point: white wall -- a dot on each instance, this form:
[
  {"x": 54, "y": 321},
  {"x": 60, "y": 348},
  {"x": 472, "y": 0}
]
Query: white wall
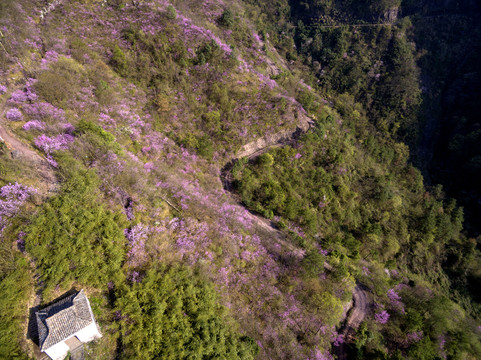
[
  {"x": 60, "y": 350},
  {"x": 88, "y": 333},
  {"x": 57, "y": 351}
]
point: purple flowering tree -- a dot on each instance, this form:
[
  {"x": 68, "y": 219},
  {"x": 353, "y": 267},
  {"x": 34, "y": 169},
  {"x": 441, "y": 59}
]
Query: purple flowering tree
[
  {"x": 137, "y": 236},
  {"x": 34, "y": 125},
  {"x": 336, "y": 338},
  {"x": 14, "y": 115},
  {"x": 382, "y": 317},
  {"x": 415, "y": 336},
  {"x": 18, "y": 97},
  {"x": 44, "y": 110},
  {"x": 50, "y": 144},
  {"x": 395, "y": 300},
  {"x": 320, "y": 355}
]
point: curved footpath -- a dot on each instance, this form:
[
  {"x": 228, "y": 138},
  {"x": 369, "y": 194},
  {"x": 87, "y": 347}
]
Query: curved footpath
[
  {"x": 357, "y": 314},
  {"x": 360, "y": 306},
  {"x": 21, "y": 151}
]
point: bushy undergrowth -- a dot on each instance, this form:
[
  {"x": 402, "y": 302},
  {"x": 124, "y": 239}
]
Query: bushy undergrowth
[
  {"x": 171, "y": 313},
  {"x": 75, "y": 238},
  {"x": 16, "y": 289}
]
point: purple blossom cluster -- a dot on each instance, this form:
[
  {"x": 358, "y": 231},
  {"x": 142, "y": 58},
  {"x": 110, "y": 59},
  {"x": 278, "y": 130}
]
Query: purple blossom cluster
[
  {"x": 395, "y": 300},
  {"x": 212, "y": 9},
  {"x": 123, "y": 115},
  {"x": 366, "y": 271},
  {"x": 14, "y": 114},
  {"x": 129, "y": 210},
  {"x": 267, "y": 81},
  {"x": 12, "y": 197},
  {"x": 192, "y": 239},
  {"x": 257, "y": 39},
  {"x": 43, "y": 111},
  {"x": 35, "y": 44},
  {"x": 30, "y": 93},
  {"x": 415, "y": 336},
  {"x": 320, "y": 355},
  {"x": 336, "y": 338},
  {"x": 137, "y": 235},
  {"x": 51, "y": 56},
  {"x": 18, "y": 97},
  {"x": 442, "y": 343},
  {"x": 34, "y": 125},
  {"x": 21, "y": 241},
  {"x": 135, "y": 277},
  {"x": 3, "y": 89},
  {"x": 192, "y": 32},
  {"x": 382, "y": 317},
  {"x": 322, "y": 251},
  {"x": 49, "y": 144},
  {"x": 296, "y": 230},
  {"x": 67, "y": 128}
]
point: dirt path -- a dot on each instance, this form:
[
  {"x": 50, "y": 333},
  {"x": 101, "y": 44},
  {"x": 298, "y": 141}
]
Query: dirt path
[
  {"x": 357, "y": 314},
  {"x": 360, "y": 304},
  {"x": 23, "y": 152}
]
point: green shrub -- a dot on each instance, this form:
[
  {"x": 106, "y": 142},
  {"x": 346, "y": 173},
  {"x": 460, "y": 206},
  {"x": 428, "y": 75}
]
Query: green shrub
[
  {"x": 313, "y": 263},
  {"x": 265, "y": 160},
  {"x": 227, "y": 19},
  {"x": 171, "y": 13},
  {"x": 119, "y": 61},
  {"x": 173, "y": 314},
  {"x": 74, "y": 237},
  {"x": 61, "y": 82},
  {"x": 212, "y": 123},
  {"x": 94, "y": 142},
  {"x": 205, "y": 147},
  {"x": 16, "y": 288},
  {"x": 84, "y": 127}
]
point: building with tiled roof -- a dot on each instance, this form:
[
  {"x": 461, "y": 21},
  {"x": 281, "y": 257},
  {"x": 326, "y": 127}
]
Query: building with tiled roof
[{"x": 66, "y": 323}]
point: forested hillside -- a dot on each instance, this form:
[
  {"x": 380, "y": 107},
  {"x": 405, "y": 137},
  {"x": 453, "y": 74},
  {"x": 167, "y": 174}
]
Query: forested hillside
[{"x": 243, "y": 179}]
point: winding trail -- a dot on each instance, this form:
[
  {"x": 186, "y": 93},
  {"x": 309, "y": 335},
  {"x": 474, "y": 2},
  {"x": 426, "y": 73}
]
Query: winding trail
[
  {"x": 360, "y": 304},
  {"x": 357, "y": 314},
  {"x": 23, "y": 152}
]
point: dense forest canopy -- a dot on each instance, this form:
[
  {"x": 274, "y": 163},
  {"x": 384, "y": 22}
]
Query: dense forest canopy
[{"x": 244, "y": 179}]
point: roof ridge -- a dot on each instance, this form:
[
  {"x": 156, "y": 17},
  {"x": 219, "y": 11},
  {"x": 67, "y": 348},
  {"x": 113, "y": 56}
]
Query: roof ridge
[{"x": 70, "y": 308}]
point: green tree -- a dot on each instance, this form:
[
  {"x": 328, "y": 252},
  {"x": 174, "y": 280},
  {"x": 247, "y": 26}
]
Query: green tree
[
  {"x": 227, "y": 19},
  {"x": 119, "y": 61}
]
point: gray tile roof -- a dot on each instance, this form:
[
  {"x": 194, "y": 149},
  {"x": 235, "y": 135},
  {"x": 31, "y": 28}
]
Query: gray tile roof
[{"x": 62, "y": 319}]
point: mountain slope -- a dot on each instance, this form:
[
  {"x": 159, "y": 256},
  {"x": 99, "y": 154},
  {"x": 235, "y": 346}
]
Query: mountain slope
[{"x": 138, "y": 107}]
